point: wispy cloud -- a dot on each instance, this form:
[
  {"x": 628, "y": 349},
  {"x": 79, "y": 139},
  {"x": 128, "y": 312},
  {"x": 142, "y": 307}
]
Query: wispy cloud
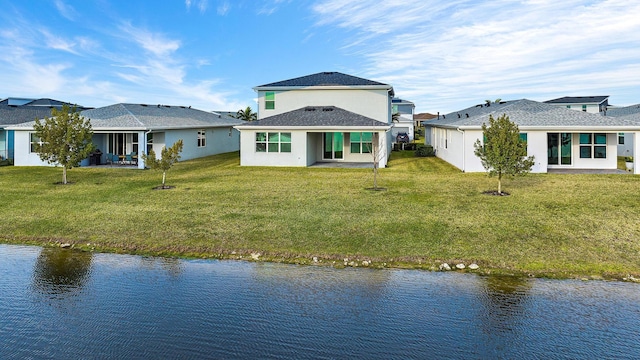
[
  {"x": 202, "y": 5},
  {"x": 130, "y": 63},
  {"x": 269, "y": 7},
  {"x": 66, "y": 10},
  {"x": 224, "y": 8},
  {"x": 156, "y": 43},
  {"x": 443, "y": 54}
]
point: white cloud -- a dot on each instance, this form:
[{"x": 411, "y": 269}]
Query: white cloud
[
  {"x": 66, "y": 10},
  {"x": 224, "y": 8},
  {"x": 202, "y": 5},
  {"x": 448, "y": 55},
  {"x": 155, "y": 43}
]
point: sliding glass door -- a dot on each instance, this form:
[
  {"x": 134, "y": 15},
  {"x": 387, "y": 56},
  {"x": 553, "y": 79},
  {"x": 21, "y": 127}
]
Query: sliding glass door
[
  {"x": 333, "y": 146},
  {"x": 559, "y": 149}
]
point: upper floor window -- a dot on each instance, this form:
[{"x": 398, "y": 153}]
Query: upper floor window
[
  {"x": 202, "y": 138},
  {"x": 270, "y": 100}
]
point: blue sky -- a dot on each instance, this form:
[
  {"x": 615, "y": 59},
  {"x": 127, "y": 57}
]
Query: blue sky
[{"x": 442, "y": 55}]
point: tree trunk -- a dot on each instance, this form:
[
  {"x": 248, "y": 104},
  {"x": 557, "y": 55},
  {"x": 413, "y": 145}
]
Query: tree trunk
[
  {"x": 64, "y": 175},
  {"x": 164, "y": 176},
  {"x": 500, "y": 184},
  {"x": 376, "y": 158},
  {"x": 375, "y": 175}
]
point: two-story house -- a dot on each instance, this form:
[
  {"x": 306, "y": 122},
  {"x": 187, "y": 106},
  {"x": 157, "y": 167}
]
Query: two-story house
[
  {"x": 590, "y": 104},
  {"x": 403, "y": 119},
  {"x": 323, "y": 117}
]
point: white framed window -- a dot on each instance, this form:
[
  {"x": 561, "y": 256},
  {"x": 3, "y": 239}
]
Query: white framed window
[
  {"x": 593, "y": 146},
  {"x": 273, "y": 142},
  {"x": 361, "y": 142},
  {"x": 270, "y": 100},
  {"x": 34, "y": 142},
  {"x": 202, "y": 138}
]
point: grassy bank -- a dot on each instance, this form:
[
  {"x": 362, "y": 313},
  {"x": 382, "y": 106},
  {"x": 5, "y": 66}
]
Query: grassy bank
[{"x": 551, "y": 225}]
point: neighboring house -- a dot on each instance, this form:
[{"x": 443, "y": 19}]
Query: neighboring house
[
  {"x": 590, "y": 104},
  {"x": 625, "y": 140},
  {"x": 558, "y": 137},
  {"x": 19, "y": 110},
  {"x": 404, "y": 122},
  {"x": 421, "y": 117},
  {"x": 131, "y": 129},
  {"x": 323, "y": 117}
]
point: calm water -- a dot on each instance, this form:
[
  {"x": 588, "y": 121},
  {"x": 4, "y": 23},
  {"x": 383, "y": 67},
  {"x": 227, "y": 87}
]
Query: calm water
[{"x": 69, "y": 305}]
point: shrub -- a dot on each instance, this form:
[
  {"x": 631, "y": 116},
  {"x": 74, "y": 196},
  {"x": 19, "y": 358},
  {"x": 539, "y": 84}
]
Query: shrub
[{"x": 424, "y": 151}]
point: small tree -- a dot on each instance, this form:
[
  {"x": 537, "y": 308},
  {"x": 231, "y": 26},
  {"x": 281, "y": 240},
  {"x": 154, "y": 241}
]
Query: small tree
[
  {"x": 503, "y": 152},
  {"x": 169, "y": 156},
  {"x": 65, "y": 139},
  {"x": 246, "y": 114}
]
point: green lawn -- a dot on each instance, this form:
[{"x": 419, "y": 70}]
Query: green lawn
[{"x": 550, "y": 225}]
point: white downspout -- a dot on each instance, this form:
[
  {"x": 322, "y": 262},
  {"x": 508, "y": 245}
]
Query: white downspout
[{"x": 464, "y": 154}]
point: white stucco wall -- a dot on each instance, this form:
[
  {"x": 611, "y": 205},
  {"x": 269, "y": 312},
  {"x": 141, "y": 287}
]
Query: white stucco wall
[
  {"x": 537, "y": 146},
  {"x": 306, "y": 149},
  {"x": 457, "y": 149},
  {"x": 249, "y": 156},
  {"x": 218, "y": 140},
  {"x": 375, "y": 104},
  {"x": 591, "y": 108},
  {"x": 22, "y": 151},
  {"x": 449, "y": 145}
]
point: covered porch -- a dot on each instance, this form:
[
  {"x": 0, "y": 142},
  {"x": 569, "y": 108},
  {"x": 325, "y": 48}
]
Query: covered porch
[
  {"x": 122, "y": 148},
  {"x": 585, "y": 151}
]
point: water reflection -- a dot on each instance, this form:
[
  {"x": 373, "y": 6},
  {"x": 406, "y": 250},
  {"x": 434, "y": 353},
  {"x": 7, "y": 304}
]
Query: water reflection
[
  {"x": 317, "y": 292},
  {"x": 172, "y": 266},
  {"x": 142, "y": 307},
  {"x": 61, "y": 271}
]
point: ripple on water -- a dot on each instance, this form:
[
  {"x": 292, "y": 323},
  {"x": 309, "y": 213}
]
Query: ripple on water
[{"x": 53, "y": 305}]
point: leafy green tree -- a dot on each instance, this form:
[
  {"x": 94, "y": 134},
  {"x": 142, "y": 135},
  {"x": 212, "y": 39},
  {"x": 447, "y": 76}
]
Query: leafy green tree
[
  {"x": 246, "y": 114},
  {"x": 65, "y": 139},
  {"x": 168, "y": 157},
  {"x": 503, "y": 151}
]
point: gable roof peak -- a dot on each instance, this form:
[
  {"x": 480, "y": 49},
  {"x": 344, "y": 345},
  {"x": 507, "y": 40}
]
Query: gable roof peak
[{"x": 326, "y": 78}]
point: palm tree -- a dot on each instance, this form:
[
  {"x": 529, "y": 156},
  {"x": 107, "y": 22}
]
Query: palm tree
[{"x": 246, "y": 114}]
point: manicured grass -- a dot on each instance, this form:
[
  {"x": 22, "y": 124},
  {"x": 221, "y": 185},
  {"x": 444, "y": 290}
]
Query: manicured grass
[{"x": 550, "y": 225}]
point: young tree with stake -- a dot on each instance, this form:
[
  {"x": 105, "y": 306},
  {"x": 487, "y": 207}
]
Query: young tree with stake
[{"x": 168, "y": 157}]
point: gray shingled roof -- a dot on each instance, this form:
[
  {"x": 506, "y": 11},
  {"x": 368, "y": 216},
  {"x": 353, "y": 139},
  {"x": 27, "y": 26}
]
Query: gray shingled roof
[
  {"x": 36, "y": 109},
  {"x": 152, "y": 117},
  {"x": 578, "y": 100},
  {"x": 528, "y": 113},
  {"x": 396, "y": 100},
  {"x": 319, "y": 116},
  {"x": 624, "y": 111},
  {"x": 324, "y": 79}
]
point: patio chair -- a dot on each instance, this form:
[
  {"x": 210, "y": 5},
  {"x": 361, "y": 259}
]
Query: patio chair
[
  {"x": 115, "y": 158},
  {"x": 128, "y": 159},
  {"x": 134, "y": 157},
  {"x": 109, "y": 158}
]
